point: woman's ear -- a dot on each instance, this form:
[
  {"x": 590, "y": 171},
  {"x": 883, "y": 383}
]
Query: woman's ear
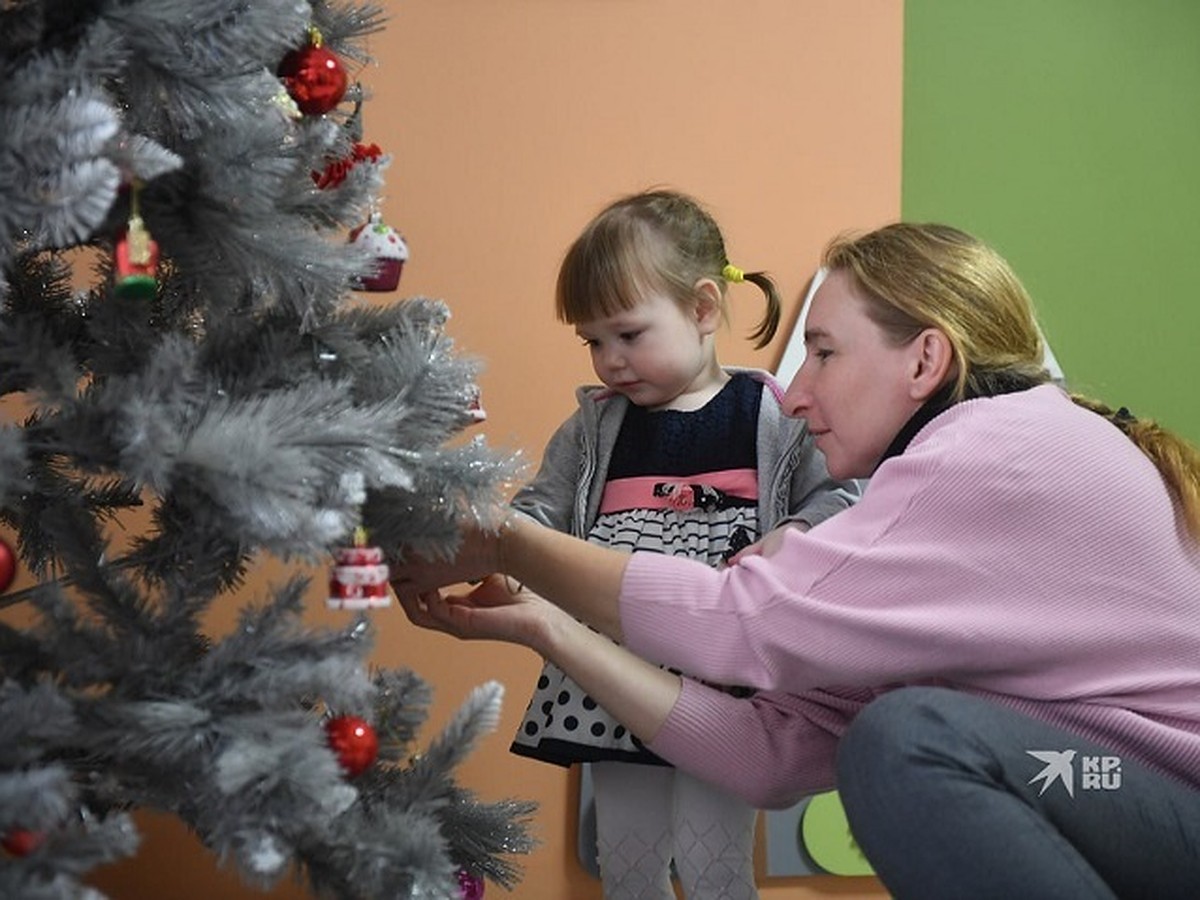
[
  {"x": 932, "y": 363},
  {"x": 708, "y": 305}
]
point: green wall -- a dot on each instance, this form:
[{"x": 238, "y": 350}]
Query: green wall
[{"x": 1066, "y": 133}]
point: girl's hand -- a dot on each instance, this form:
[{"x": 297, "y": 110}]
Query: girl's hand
[
  {"x": 553, "y": 564},
  {"x": 477, "y": 555}
]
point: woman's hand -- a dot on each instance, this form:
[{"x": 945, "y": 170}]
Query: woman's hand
[
  {"x": 769, "y": 543},
  {"x": 637, "y": 693},
  {"x": 496, "y": 609}
]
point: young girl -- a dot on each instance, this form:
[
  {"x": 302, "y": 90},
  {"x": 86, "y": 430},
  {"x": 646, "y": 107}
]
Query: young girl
[{"x": 678, "y": 455}]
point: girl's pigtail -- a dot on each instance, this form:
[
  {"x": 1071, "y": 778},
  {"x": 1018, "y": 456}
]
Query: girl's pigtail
[
  {"x": 766, "y": 329},
  {"x": 770, "y": 323}
]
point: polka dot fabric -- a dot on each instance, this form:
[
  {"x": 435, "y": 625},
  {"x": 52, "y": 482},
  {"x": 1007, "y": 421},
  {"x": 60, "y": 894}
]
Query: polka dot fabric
[{"x": 563, "y": 724}]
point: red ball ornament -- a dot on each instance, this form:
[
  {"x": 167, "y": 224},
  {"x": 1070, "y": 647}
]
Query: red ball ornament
[
  {"x": 469, "y": 887},
  {"x": 353, "y": 741},
  {"x": 22, "y": 841},
  {"x": 314, "y": 76},
  {"x": 8, "y": 565}
]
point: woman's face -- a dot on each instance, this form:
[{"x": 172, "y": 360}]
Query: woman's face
[{"x": 855, "y": 388}]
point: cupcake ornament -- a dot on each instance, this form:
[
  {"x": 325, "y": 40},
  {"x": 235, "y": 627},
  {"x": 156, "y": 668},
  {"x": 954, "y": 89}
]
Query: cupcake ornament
[
  {"x": 386, "y": 247},
  {"x": 359, "y": 579}
]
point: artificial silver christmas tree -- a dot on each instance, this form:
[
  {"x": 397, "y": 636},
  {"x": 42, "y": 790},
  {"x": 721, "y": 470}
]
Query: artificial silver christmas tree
[{"x": 181, "y": 354}]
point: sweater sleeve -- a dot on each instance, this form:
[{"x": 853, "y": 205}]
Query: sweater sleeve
[
  {"x": 966, "y": 562},
  {"x": 808, "y": 616},
  {"x": 771, "y": 749},
  {"x": 549, "y": 497},
  {"x": 861, "y": 600}
]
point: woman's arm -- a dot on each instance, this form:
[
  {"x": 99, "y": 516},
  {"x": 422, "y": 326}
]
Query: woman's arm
[{"x": 770, "y": 749}]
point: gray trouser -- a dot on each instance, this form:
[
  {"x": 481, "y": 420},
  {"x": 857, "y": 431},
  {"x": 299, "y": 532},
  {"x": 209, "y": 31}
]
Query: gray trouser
[{"x": 954, "y": 796}]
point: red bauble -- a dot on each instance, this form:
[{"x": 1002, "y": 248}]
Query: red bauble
[
  {"x": 22, "y": 841},
  {"x": 8, "y": 565},
  {"x": 353, "y": 741},
  {"x": 469, "y": 887},
  {"x": 314, "y": 77}
]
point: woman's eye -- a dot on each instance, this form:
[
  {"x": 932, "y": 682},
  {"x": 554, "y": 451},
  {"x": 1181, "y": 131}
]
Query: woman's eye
[{"x": 822, "y": 354}]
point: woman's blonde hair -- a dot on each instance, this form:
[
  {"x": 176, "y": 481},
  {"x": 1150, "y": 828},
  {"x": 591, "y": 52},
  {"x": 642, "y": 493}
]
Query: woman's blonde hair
[
  {"x": 651, "y": 241},
  {"x": 918, "y": 276}
]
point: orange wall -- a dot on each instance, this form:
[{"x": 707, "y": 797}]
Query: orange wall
[{"x": 510, "y": 124}]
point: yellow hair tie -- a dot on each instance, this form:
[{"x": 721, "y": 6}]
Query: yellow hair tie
[{"x": 733, "y": 273}]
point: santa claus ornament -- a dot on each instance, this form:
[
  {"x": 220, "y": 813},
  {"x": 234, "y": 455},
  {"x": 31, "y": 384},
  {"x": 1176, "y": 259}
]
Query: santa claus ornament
[
  {"x": 475, "y": 411},
  {"x": 387, "y": 250},
  {"x": 136, "y": 255},
  {"x": 359, "y": 579}
]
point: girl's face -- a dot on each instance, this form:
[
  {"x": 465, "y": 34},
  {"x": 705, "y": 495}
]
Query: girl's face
[
  {"x": 855, "y": 388},
  {"x": 658, "y": 354}
]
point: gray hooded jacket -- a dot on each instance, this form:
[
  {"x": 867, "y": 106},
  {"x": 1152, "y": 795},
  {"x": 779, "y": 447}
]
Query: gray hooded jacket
[{"x": 793, "y": 484}]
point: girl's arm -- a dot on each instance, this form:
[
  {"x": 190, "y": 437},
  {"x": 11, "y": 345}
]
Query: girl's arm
[
  {"x": 550, "y": 497},
  {"x": 581, "y": 578}
]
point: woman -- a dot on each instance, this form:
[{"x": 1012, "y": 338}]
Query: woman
[{"x": 994, "y": 656}]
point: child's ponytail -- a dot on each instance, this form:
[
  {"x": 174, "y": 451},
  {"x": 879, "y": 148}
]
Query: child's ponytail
[{"x": 766, "y": 329}]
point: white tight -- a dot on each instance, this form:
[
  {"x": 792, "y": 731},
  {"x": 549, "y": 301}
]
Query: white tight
[{"x": 647, "y": 816}]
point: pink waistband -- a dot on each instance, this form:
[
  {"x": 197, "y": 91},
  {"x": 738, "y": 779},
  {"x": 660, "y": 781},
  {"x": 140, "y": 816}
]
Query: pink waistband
[{"x": 675, "y": 492}]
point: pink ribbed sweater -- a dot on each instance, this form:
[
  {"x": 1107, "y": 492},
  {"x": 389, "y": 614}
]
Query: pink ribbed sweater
[{"x": 1021, "y": 548}]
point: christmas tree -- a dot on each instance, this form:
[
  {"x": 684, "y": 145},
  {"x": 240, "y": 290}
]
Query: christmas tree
[{"x": 191, "y": 384}]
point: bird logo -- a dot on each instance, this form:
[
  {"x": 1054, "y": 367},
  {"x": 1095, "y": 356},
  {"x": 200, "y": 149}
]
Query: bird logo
[{"x": 1058, "y": 768}]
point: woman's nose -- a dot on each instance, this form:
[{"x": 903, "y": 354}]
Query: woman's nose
[{"x": 796, "y": 399}]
